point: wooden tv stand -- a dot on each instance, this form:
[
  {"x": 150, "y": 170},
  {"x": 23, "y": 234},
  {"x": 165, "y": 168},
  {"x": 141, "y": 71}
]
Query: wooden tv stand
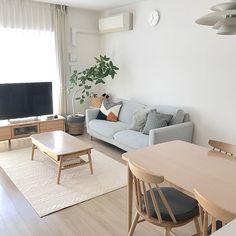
[{"x": 9, "y": 131}]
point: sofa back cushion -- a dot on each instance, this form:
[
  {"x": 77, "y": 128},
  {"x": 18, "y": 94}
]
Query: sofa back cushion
[
  {"x": 178, "y": 118},
  {"x": 170, "y": 110},
  {"x": 139, "y": 120},
  {"x": 156, "y": 120},
  {"x": 128, "y": 109}
]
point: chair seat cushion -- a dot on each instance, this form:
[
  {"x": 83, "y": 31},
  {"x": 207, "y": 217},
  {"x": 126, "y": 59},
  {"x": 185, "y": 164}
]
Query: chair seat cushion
[
  {"x": 183, "y": 207},
  {"x": 132, "y": 139},
  {"x": 107, "y": 128}
]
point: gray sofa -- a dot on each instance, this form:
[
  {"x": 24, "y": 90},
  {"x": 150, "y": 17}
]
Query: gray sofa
[{"x": 118, "y": 133}]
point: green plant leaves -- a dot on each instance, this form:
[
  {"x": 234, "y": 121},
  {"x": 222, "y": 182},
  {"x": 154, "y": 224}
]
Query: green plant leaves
[
  {"x": 96, "y": 74},
  {"x": 100, "y": 81},
  {"x": 88, "y": 87}
]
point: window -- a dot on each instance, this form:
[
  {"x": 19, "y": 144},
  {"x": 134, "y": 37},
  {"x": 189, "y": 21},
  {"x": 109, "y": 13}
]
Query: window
[{"x": 28, "y": 56}]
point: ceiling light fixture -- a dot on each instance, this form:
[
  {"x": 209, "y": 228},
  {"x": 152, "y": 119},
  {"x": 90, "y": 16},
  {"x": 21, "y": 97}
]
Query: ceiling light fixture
[{"x": 223, "y": 19}]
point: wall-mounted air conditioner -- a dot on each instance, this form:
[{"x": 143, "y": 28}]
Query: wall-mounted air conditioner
[{"x": 120, "y": 22}]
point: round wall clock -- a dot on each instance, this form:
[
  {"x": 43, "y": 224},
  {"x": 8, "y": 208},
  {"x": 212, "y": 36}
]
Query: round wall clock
[{"x": 153, "y": 18}]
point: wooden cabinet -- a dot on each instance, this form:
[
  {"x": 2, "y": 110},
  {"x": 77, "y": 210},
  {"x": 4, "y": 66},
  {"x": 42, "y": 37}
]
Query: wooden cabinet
[
  {"x": 5, "y": 133},
  {"x": 10, "y": 131},
  {"x": 51, "y": 125},
  {"x": 24, "y": 130}
]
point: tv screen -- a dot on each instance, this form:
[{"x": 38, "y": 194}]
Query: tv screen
[{"x": 25, "y": 100}]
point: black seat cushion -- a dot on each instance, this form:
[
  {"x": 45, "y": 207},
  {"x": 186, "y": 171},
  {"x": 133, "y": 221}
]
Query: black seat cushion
[
  {"x": 183, "y": 206},
  {"x": 219, "y": 225}
]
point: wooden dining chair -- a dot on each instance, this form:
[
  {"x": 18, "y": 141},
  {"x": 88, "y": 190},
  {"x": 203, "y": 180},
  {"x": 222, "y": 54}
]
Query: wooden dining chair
[
  {"x": 218, "y": 216},
  {"x": 226, "y": 148},
  {"x": 162, "y": 206}
]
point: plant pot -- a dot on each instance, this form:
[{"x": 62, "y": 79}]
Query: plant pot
[{"x": 76, "y": 124}]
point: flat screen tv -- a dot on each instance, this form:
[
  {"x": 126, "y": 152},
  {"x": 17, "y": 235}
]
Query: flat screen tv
[{"x": 21, "y": 100}]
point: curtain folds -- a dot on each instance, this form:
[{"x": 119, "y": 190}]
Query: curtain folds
[
  {"x": 60, "y": 29},
  {"x": 25, "y": 14}
]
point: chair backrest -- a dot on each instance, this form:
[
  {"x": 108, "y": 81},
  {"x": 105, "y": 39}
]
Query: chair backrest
[
  {"x": 145, "y": 182},
  {"x": 227, "y": 148},
  {"x": 209, "y": 209}
]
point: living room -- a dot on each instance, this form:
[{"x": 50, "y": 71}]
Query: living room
[{"x": 170, "y": 101}]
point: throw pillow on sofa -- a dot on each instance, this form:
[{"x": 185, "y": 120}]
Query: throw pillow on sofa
[
  {"x": 139, "y": 119},
  {"x": 178, "y": 118},
  {"x": 156, "y": 120},
  {"x": 109, "y": 111}
]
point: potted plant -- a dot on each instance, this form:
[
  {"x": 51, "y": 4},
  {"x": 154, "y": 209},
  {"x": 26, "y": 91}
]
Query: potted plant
[
  {"x": 94, "y": 75},
  {"x": 85, "y": 80}
]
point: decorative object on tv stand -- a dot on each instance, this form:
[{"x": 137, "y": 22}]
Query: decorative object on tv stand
[
  {"x": 84, "y": 80},
  {"x": 222, "y": 19}
]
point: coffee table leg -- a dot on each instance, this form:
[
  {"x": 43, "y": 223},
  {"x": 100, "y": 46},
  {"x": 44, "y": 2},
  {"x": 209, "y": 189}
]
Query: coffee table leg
[
  {"x": 59, "y": 170},
  {"x": 90, "y": 162},
  {"x": 32, "y": 154}
]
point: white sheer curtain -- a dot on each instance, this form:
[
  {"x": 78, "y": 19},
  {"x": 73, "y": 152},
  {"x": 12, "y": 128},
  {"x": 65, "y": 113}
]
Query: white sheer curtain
[
  {"x": 25, "y": 14},
  {"x": 60, "y": 28},
  {"x": 32, "y": 45}
]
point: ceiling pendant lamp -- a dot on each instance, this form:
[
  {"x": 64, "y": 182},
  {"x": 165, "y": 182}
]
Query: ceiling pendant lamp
[
  {"x": 223, "y": 18},
  {"x": 227, "y": 27}
]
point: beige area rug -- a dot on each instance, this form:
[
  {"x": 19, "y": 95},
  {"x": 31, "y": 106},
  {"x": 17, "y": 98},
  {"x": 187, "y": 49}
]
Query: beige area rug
[{"x": 37, "y": 179}]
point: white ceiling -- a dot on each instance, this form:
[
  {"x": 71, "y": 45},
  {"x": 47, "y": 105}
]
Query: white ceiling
[{"x": 92, "y": 4}]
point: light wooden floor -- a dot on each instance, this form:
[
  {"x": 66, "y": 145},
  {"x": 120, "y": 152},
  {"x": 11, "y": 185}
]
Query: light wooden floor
[{"x": 104, "y": 215}]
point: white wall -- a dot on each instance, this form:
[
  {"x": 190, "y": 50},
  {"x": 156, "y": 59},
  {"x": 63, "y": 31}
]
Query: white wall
[
  {"x": 87, "y": 45},
  {"x": 177, "y": 63}
]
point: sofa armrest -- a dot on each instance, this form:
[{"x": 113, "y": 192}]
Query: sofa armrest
[
  {"x": 91, "y": 114},
  {"x": 183, "y": 131}
]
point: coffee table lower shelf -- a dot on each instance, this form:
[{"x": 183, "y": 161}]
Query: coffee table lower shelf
[{"x": 62, "y": 159}]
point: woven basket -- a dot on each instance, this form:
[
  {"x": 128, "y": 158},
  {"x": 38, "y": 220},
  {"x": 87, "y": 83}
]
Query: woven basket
[
  {"x": 76, "y": 128},
  {"x": 75, "y": 124}
]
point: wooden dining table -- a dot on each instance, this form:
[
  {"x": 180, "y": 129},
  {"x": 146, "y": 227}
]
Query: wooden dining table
[{"x": 187, "y": 166}]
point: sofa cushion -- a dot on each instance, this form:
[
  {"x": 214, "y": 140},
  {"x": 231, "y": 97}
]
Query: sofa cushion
[
  {"x": 178, "y": 118},
  {"x": 132, "y": 139},
  {"x": 156, "y": 120},
  {"x": 107, "y": 128},
  {"x": 139, "y": 119},
  {"x": 186, "y": 118},
  {"x": 128, "y": 109},
  {"x": 109, "y": 110}
]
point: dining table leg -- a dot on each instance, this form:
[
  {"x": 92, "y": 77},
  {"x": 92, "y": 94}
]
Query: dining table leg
[{"x": 130, "y": 197}]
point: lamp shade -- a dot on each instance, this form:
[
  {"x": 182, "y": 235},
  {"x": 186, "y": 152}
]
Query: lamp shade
[
  {"x": 227, "y": 26},
  {"x": 224, "y": 6},
  {"x": 213, "y": 17},
  {"x": 223, "y": 18}
]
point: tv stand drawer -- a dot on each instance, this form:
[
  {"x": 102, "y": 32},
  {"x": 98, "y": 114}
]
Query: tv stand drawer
[
  {"x": 51, "y": 125},
  {"x": 5, "y": 133},
  {"x": 24, "y": 130}
]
